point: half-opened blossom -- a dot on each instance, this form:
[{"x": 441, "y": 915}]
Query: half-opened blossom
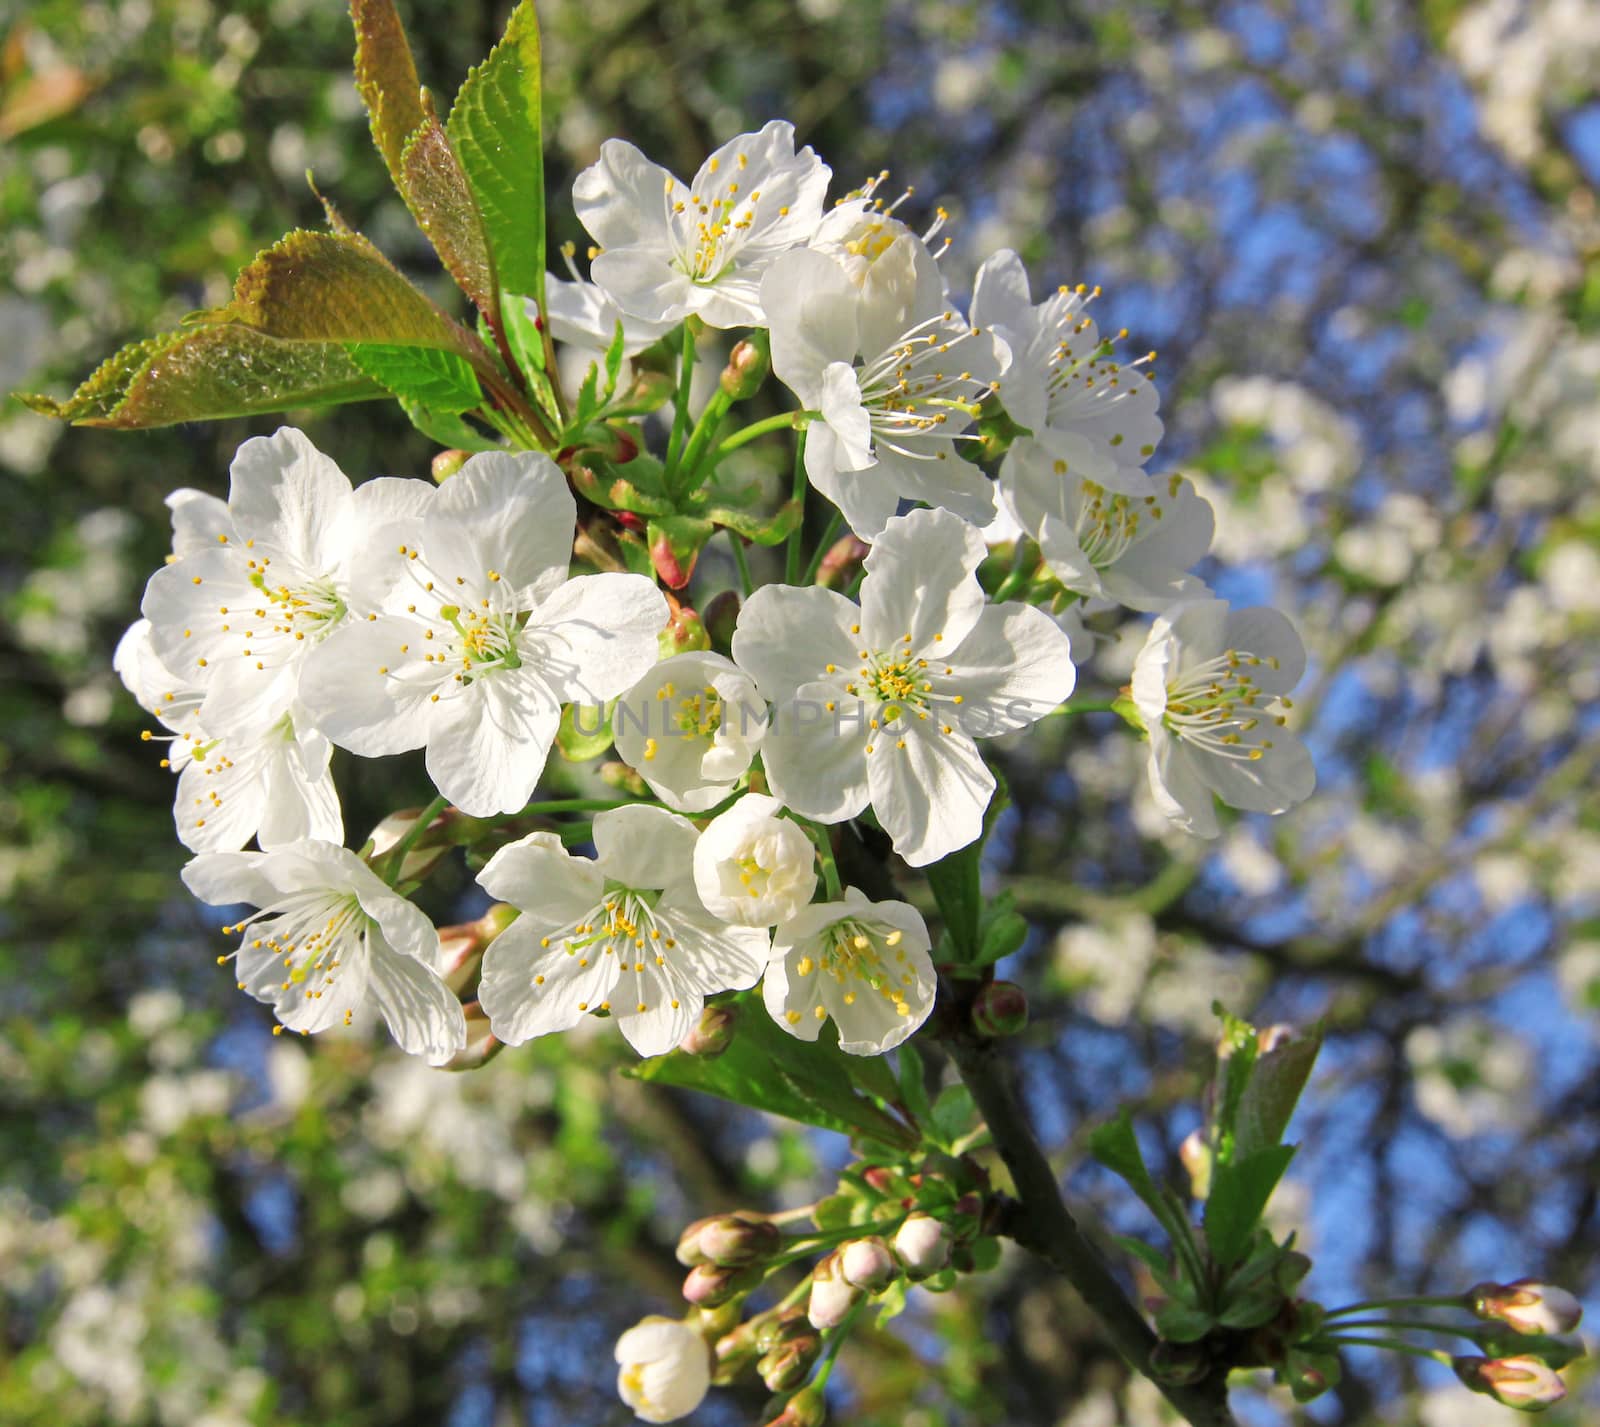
[
  {"x": 272, "y": 784},
  {"x": 669, "y": 248},
  {"x": 328, "y": 935},
  {"x": 690, "y": 728},
  {"x": 895, "y": 373},
  {"x": 241, "y": 618},
  {"x": 1136, "y": 550},
  {"x": 623, "y": 933},
  {"x": 1211, "y": 685},
  {"x": 665, "y": 1369},
  {"x": 1090, "y": 414},
  {"x": 753, "y": 867},
  {"x": 881, "y": 703},
  {"x": 865, "y": 964},
  {"x": 472, "y": 637}
]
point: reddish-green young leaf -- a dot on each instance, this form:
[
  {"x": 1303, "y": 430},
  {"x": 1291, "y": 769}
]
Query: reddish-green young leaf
[
  {"x": 386, "y": 76},
  {"x": 337, "y": 287},
  {"x": 441, "y": 201},
  {"x": 495, "y": 126},
  {"x": 207, "y": 373}
]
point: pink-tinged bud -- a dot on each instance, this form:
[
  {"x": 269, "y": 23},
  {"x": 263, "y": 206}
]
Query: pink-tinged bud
[
  {"x": 1195, "y": 1152},
  {"x": 922, "y": 1245},
  {"x": 721, "y": 617},
  {"x": 734, "y": 1351},
  {"x": 446, "y": 464},
  {"x": 1000, "y": 1009},
  {"x": 748, "y": 365},
  {"x": 1524, "y": 1383},
  {"x": 713, "y": 1033},
  {"x": 425, "y": 854},
  {"x": 629, "y": 521},
  {"x": 461, "y": 947},
  {"x": 735, "y": 1240},
  {"x": 832, "y": 1296},
  {"x": 842, "y": 563},
  {"x": 711, "y": 1285},
  {"x": 881, "y": 1179},
  {"x": 868, "y": 1264},
  {"x": 675, "y": 545},
  {"x": 1273, "y": 1038},
  {"x": 805, "y": 1409},
  {"x": 1527, "y": 1306},
  {"x": 684, "y": 633},
  {"x": 481, "y": 1046}
]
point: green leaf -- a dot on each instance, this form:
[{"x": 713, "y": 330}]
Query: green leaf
[
  {"x": 953, "y": 1113},
  {"x": 207, "y": 373},
  {"x": 1116, "y": 1147},
  {"x": 386, "y": 76},
  {"x": 448, "y": 430},
  {"x": 957, "y": 884},
  {"x": 771, "y": 529},
  {"x": 1180, "y": 1323},
  {"x": 1153, "y": 1259},
  {"x": 892, "y": 1301},
  {"x": 614, "y": 361},
  {"x": 1236, "y": 1057},
  {"x": 438, "y": 380},
  {"x": 912, "y": 1078},
  {"x": 1239, "y": 1193},
  {"x": 1001, "y": 929},
  {"x": 440, "y": 198},
  {"x": 768, "y": 1069},
  {"x": 495, "y": 127},
  {"x": 1267, "y": 1104}
]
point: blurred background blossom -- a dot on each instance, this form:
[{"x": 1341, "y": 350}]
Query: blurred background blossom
[{"x": 1363, "y": 239}]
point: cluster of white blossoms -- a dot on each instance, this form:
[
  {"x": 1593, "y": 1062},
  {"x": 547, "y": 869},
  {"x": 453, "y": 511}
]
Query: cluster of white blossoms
[{"x": 303, "y": 614}]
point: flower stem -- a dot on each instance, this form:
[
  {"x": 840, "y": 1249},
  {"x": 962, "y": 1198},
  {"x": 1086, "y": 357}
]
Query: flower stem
[
  {"x": 1412, "y": 1325},
  {"x": 704, "y": 429},
  {"x": 791, "y": 561},
  {"x": 1083, "y": 706},
  {"x": 680, "y": 413},
  {"x": 1452, "y": 1301},
  {"x": 1393, "y": 1345},
  {"x": 395, "y": 858},
  {"x": 824, "y": 845},
  {"x": 736, "y": 540},
  {"x": 786, "y": 421},
  {"x": 825, "y": 544}
]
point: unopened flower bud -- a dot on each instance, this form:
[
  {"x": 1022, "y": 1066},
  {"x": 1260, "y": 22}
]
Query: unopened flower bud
[
  {"x": 805, "y": 1409},
  {"x": 1273, "y": 1038},
  {"x": 712, "y": 1033},
  {"x": 710, "y": 1285},
  {"x": 748, "y": 365},
  {"x": 867, "y": 1263},
  {"x": 1195, "y": 1152},
  {"x": 832, "y": 1295},
  {"x": 736, "y": 1349},
  {"x": 1527, "y": 1306},
  {"x": 1523, "y": 1382},
  {"x": 664, "y": 1369},
  {"x": 684, "y": 633},
  {"x": 1179, "y": 1364},
  {"x": 720, "y": 618},
  {"x": 1000, "y": 1009},
  {"x": 461, "y": 947},
  {"x": 482, "y": 1045},
  {"x": 735, "y": 1240},
  {"x": 787, "y": 1363},
  {"x": 424, "y": 854},
  {"x": 616, "y": 774},
  {"x": 842, "y": 563},
  {"x": 446, "y": 464},
  {"x": 711, "y": 1323},
  {"x": 922, "y": 1245}
]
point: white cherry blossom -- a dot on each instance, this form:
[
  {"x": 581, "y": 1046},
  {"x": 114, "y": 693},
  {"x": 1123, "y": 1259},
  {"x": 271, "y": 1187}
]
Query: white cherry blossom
[
  {"x": 1211, "y": 685},
  {"x": 1089, "y": 414},
  {"x": 273, "y": 785},
  {"x": 241, "y": 617},
  {"x": 880, "y": 704},
  {"x": 1135, "y": 550},
  {"x": 328, "y": 936},
  {"x": 895, "y": 373},
  {"x": 864, "y": 964},
  {"x": 583, "y": 316},
  {"x": 669, "y": 249},
  {"x": 664, "y": 1370},
  {"x": 753, "y": 867},
  {"x": 624, "y": 933},
  {"x": 690, "y": 728},
  {"x": 472, "y": 636}
]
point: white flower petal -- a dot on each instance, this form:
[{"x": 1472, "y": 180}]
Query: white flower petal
[
  {"x": 787, "y": 636},
  {"x": 521, "y": 518},
  {"x": 287, "y": 496},
  {"x": 538, "y": 875},
  {"x": 619, "y": 198},
  {"x": 644, "y": 847},
  {"x": 593, "y": 638},
  {"x": 814, "y": 755},
  {"x": 528, "y": 990},
  {"x": 921, "y": 582},
  {"x": 488, "y": 743},
  {"x": 929, "y": 795}
]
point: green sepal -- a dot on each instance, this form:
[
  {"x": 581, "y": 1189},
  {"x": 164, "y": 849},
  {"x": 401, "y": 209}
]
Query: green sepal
[
  {"x": 771, "y": 529},
  {"x": 675, "y": 545},
  {"x": 599, "y": 481},
  {"x": 579, "y": 745}
]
